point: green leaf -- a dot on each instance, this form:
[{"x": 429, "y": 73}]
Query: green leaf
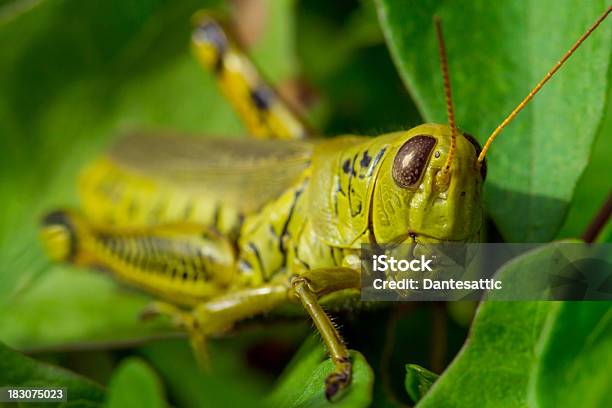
[
  {"x": 18, "y": 370},
  {"x": 531, "y": 354},
  {"x": 135, "y": 384},
  {"x": 303, "y": 382},
  {"x": 418, "y": 381},
  {"x": 493, "y": 367},
  {"x": 67, "y": 307},
  {"x": 496, "y": 55},
  {"x": 575, "y": 356},
  {"x": 593, "y": 190}
]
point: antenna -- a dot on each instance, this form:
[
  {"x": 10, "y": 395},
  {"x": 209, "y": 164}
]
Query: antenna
[
  {"x": 539, "y": 86},
  {"x": 443, "y": 177}
]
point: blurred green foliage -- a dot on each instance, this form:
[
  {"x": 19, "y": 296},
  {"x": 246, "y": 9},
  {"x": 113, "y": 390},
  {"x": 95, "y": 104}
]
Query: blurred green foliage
[
  {"x": 74, "y": 75},
  {"x": 19, "y": 371},
  {"x": 134, "y": 385},
  {"x": 494, "y": 60}
]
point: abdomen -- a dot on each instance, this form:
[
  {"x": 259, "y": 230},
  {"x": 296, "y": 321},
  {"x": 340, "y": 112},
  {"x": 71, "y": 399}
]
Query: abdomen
[{"x": 111, "y": 195}]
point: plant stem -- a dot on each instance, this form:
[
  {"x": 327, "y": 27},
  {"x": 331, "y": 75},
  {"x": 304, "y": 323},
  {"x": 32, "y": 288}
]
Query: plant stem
[{"x": 599, "y": 221}]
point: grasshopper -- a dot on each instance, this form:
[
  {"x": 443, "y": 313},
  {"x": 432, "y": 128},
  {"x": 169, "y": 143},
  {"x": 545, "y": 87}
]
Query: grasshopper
[{"x": 223, "y": 230}]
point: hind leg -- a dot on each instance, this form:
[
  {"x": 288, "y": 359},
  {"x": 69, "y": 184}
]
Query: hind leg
[
  {"x": 262, "y": 110},
  {"x": 181, "y": 262}
]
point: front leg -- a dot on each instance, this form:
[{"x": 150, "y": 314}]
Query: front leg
[
  {"x": 340, "y": 378},
  {"x": 222, "y": 312}
]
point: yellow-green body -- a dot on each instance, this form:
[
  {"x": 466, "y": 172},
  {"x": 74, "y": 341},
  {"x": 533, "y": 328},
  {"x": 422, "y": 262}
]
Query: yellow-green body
[
  {"x": 315, "y": 213},
  {"x": 230, "y": 228}
]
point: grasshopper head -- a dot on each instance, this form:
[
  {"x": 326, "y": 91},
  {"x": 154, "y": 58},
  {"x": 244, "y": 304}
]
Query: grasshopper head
[{"x": 411, "y": 201}]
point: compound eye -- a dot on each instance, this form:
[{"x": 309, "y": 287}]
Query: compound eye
[{"x": 411, "y": 159}]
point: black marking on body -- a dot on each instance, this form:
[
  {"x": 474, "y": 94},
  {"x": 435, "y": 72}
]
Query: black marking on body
[
  {"x": 262, "y": 97},
  {"x": 364, "y": 163},
  {"x": 304, "y": 263},
  {"x": 148, "y": 261},
  {"x": 185, "y": 269},
  {"x": 62, "y": 219},
  {"x": 365, "y": 159},
  {"x": 115, "y": 246},
  {"x": 212, "y": 33},
  {"x": 161, "y": 258},
  {"x": 131, "y": 252},
  {"x": 151, "y": 254},
  {"x": 333, "y": 256},
  {"x": 240, "y": 220},
  {"x": 285, "y": 230},
  {"x": 284, "y": 234},
  {"x": 218, "y": 69},
  {"x": 350, "y": 177},
  {"x": 346, "y": 169},
  {"x": 351, "y": 190},
  {"x": 358, "y": 210},
  {"x": 136, "y": 250},
  {"x": 203, "y": 259},
  {"x": 128, "y": 252},
  {"x": 194, "y": 266},
  {"x": 151, "y": 262},
  {"x": 337, "y": 190},
  {"x": 257, "y": 255},
  {"x": 331, "y": 252},
  {"x": 377, "y": 159},
  {"x": 346, "y": 166},
  {"x": 109, "y": 243}
]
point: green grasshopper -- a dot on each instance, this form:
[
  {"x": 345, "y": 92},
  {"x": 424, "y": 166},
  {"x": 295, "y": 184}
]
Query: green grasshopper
[{"x": 223, "y": 230}]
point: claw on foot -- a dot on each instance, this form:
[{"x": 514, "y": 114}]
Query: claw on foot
[{"x": 336, "y": 382}]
